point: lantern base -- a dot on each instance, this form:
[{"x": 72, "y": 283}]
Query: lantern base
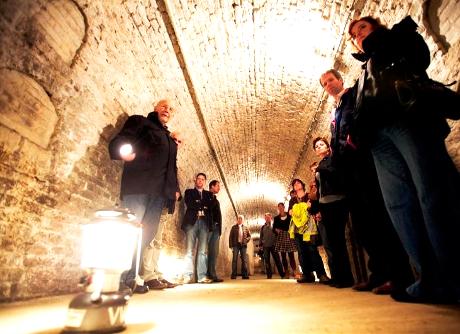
[{"x": 106, "y": 315}]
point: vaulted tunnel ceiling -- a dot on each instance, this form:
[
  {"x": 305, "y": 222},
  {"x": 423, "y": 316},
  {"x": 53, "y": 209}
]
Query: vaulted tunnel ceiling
[{"x": 262, "y": 59}]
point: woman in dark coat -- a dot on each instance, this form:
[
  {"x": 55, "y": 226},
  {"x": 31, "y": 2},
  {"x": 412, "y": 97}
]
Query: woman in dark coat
[
  {"x": 420, "y": 183},
  {"x": 334, "y": 214}
]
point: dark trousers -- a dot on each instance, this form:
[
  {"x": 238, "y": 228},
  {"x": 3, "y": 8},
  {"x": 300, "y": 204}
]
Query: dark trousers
[
  {"x": 276, "y": 258},
  {"x": 240, "y": 249},
  {"x": 309, "y": 257},
  {"x": 291, "y": 262},
  {"x": 334, "y": 218}
]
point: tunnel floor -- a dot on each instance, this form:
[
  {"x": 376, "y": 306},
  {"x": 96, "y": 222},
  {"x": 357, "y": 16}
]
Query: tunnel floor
[{"x": 257, "y": 305}]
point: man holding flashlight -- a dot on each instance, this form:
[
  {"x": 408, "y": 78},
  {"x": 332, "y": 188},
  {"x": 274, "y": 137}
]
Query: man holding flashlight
[{"x": 148, "y": 185}]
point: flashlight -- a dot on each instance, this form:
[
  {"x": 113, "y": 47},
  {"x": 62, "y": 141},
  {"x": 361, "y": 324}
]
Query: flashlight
[{"x": 126, "y": 149}]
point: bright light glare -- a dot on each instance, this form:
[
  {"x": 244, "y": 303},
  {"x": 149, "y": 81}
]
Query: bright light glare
[
  {"x": 295, "y": 42},
  {"x": 171, "y": 265},
  {"x": 108, "y": 245},
  {"x": 126, "y": 149},
  {"x": 271, "y": 191},
  {"x": 108, "y": 213}
]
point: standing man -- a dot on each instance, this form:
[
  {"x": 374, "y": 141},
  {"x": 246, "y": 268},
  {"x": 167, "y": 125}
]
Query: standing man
[
  {"x": 196, "y": 224},
  {"x": 388, "y": 262},
  {"x": 214, "y": 235},
  {"x": 148, "y": 185},
  {"x": 238, "y": 242},
  {"x": 267, "y": 240}
]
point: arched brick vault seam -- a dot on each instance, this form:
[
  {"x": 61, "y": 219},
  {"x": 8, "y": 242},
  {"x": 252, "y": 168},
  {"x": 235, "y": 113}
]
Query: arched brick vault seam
[
  {"x": 85, "y": 36},
  {"x": 165, "y": 14},
  {"x": 355, "y": 9}
]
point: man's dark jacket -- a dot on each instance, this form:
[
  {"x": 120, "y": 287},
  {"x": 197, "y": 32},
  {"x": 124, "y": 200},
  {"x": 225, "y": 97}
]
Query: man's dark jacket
[
  {"x": 154, "y": 170},
  {"x": 195, "y": 203},
  {"x": 216, "y": 216}
]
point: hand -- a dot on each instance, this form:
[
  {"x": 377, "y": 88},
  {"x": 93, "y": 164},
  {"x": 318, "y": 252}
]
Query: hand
[
  {"x": 177, "y": 195},
  {"x": 126, "y": 152},
  {"x": 177, "y": 138}
]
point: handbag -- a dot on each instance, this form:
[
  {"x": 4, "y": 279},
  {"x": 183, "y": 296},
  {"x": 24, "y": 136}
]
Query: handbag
[{"x": 428, "y": 96}]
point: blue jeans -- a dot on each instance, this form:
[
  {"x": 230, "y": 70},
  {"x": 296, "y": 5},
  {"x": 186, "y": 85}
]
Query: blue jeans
[
  {"x": 421, "y": 188},
  {"x": 213, "y": 251},
  {"x": 197, "y": 232},
  {"x": 241, "y": 249},
  {"x": 148, "y": 212}
]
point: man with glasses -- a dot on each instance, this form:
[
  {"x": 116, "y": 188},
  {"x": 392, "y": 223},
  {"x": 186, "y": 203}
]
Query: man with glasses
[{"x": 148, "y": 185}]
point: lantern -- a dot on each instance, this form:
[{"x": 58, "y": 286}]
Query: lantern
[{"x": 108, "y": 243}]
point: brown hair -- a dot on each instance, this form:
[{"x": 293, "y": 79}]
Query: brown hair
[
  {"x": 374, "y": 22},
  {"x": 317, "y": 139},
  {"x": 298, "y": 180},
  {"x": 334, "y": 72}
]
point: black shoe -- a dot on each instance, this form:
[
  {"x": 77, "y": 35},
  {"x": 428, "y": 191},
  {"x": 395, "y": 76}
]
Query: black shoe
[
  {"x": 403, "y": 297},
  {"x": 169, "y": 285},
  {"x": 155, "y": 284},
  {"x": 323, "y": 279},
  {"x": 309, "y": 278},
  {"x": 217, "y": 280},
  {"x": 129, "y": 287},
  {"x": 332, "y": 283},
  {"x": 363, "y": 286},
  {"x": 306, "y": 279},
  {"x": 245, "y": 277},
  {"x": 141, "y": 289},
  {"x": 125, "y": 290},
  {"x": 386, "y": 288},
  {"x": 233, "y": 277},
  {"x": 341, "y": 285}
]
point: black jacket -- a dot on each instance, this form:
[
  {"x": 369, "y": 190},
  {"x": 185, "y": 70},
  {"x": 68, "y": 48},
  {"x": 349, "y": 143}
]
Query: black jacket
[
  {"x": 282, "y": 224},
  {"x": 195, "y": 203},
  {"x": 154, "y": 170},
  {"x": 331, "y": 179},
  {"x": 216, "y": 215},
  {"x": 233, "y": 236},
  {"x": 389, "y": 55},
  {"x": 342, "y": 126}
]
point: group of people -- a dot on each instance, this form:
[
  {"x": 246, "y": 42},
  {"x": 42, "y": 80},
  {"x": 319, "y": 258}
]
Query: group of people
[{"x": 385, "y": 166}]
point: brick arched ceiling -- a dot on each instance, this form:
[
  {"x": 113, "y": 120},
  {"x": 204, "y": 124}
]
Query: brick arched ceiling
[{"x": 252, "y": 70}]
